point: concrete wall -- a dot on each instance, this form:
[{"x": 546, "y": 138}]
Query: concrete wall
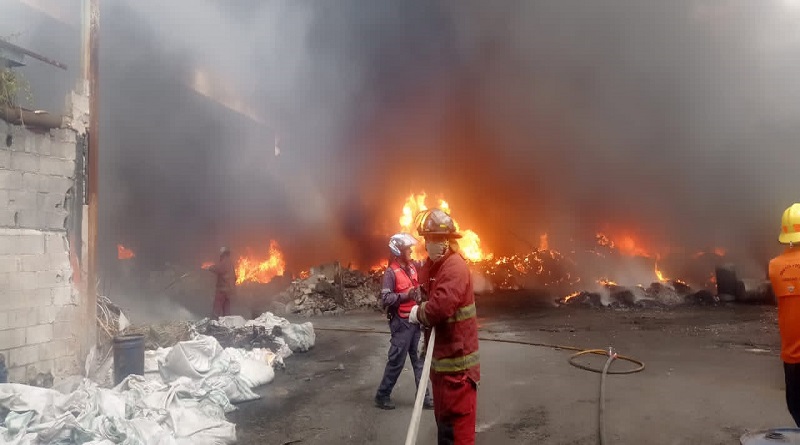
[{"x": 42, "y": 318}]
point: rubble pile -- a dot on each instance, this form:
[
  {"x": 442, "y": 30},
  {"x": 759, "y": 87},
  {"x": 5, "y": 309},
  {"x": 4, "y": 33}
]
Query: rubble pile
[
  {"x": 331, "y": 292},
  {"x": 662, "y": 295}
]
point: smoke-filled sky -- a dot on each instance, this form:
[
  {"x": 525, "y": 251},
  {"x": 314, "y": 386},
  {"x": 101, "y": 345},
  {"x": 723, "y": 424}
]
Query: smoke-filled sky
[{"x": 676, "y": 121}]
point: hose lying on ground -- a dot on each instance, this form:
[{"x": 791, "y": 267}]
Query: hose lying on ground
[{"x": 572, "y": 361}]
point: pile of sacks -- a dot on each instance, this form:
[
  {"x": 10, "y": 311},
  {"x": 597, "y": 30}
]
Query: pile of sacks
[
  {"x": 330, "y": 293},
  {"x": 183, "y": 403},
  {"x": 182, "y": 399}
]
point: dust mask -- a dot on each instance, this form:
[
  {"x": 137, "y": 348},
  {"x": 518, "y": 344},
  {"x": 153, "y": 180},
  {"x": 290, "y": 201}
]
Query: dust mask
[{"x": 436, "y": 250}]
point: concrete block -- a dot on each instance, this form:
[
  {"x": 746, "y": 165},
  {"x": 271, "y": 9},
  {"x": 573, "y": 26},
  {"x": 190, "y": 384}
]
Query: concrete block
[
  {"x": 59, "y": 262},
  {"x": 30, "y": 244},
  {"x": 8, "y": 218},
  {"x": 56, "y": 185},
  {"x": 9, "y": 263},
  {"x": 48, "y": 351},
  {"x": 29, "y": 218},
  {"x": 22, "y": 318},
  {"x": 56, "y": 167},
  {"x": 5, "y": 159},
  {"x": 31, "y": 181},
  {"x": 41, "y": 366},
  {"x": 63, "y": 150},
  {"x": 56, "y": 219},
  {"x": 22, "y": 356},
  {"x": 17, "y": 375},
  {"x": 66, "y": 365},
  {"x": 25, "y": 162},
  {"x": 62, "y": 296},
  {"x": 46, "y": 314},
  {"x": 10, "y": 180},
  {"x": 8, "y": 244},
  {"x": 12, "y": 338},
  {"x": 63, "y": 329},
  {"x": 64, "y": 135},
  {"x": 48, "y": 279},
  {"x": 22, "y": 199},
  {"x": 4, "y": 320},
  {"x": 35, "y": 335},
  {"x": 22, "y": 281},
  {"x": 56, "y": 243},
  {"x": 34, "y": 263},
  {"x": 12, "y": 299},
  {"x": 50, "y": 201}
]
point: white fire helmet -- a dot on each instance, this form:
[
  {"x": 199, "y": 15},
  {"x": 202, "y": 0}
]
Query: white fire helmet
[{"x": 400, "y": 241}]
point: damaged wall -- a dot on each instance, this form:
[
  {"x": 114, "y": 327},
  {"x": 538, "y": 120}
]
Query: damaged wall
[{"x": 42, "y": 315}]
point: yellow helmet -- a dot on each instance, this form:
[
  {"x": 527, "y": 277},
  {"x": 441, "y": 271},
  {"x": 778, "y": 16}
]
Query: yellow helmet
[{"x": 790, "y": 225}]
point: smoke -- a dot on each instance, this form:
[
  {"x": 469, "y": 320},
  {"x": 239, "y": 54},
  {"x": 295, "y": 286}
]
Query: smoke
[{"x": 673, "y": 121}]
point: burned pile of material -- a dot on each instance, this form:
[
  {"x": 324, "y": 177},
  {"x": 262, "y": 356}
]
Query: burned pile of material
[{"x": 331, "y": 291}]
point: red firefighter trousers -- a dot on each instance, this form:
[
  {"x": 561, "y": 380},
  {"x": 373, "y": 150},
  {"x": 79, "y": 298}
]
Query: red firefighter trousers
[
  {"x": 222, "y": 304},
  {"x": 455, "y": 400}
]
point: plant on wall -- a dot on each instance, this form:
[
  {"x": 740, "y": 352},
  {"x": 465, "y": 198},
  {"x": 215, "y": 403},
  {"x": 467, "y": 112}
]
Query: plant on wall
[{"x": 12, "y": 85}]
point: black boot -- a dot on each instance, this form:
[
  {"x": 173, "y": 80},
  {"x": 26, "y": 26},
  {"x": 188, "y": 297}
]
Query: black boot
[{"x": 384, "y": 403}]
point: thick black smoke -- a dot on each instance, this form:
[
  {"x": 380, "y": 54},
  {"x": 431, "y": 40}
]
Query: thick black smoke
[{"x": 674, "y": 121}]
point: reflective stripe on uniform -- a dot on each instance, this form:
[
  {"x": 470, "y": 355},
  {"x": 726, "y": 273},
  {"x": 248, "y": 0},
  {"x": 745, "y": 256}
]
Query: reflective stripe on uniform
[
  {"x": 456, "y": 364},
  {"x": 463, "y": 313}
]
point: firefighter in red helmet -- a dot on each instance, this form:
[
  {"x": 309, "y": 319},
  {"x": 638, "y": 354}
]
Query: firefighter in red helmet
[{"x": 450, "y": 308}]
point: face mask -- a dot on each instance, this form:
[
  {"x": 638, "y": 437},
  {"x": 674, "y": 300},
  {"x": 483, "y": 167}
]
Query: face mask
[{"x": 436, "y": 250}]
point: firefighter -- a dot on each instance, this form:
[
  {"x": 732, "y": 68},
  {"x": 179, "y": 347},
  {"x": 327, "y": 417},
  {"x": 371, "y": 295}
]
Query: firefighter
[
  {"x": 226, "y": 283},
  {"x": 399, "y": 293},
  {"x": 449, "y": 306},
  {"x": 784, "y": 273}
]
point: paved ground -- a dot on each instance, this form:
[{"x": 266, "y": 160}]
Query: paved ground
[{"x": 712, "y": 374}]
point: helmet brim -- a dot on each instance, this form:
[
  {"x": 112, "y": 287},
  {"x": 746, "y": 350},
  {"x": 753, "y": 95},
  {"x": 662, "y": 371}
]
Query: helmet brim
[
  {"x": 786, "y": 238},
  {"x": 444, "y": 234}
]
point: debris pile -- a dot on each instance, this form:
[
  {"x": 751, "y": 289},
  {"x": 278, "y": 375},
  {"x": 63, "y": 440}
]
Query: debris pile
[
  {"x": 330, "y": 292},
  {"x": 662, "y": 295}
]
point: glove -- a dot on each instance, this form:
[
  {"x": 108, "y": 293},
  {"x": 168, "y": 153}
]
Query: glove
[
  {"x": 415, "y": 294},
  {"x": 412, "y": 316}
]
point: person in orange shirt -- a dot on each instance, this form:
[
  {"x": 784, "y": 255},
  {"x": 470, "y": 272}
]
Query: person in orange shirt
[{"x": 784, "y": 274}]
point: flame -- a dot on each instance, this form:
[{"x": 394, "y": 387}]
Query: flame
[
  {"x": 258, "y": 270},
  {"x": 571, "y": 296},
  {"x": 469, "y": 243},
  {"x": 123, "y": 253},
  {"x": 206, "y": 264},
  {"x": 606, "y": 282},
  {"x": 659, "y": 274},
  {"x": 543, "y": 243}
]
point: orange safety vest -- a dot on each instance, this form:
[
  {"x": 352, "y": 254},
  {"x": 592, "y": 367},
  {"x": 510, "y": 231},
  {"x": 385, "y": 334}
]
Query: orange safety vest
[
  {"x": 403, "y": 282},
  {"x": 784, "y": 274}
]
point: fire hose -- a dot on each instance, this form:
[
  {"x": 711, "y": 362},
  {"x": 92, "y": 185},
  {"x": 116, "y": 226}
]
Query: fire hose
[{"x": 411, "y": 436}]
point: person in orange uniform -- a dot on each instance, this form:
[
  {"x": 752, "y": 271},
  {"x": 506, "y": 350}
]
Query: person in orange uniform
[
  {"x": 226, "y": 283},
  {"x": 784, "y": 273},
  {"x": 449, "y": 306}
]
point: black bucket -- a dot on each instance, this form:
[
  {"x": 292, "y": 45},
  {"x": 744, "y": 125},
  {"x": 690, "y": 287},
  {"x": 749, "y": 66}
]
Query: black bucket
[{"x": 128, "y": 356}]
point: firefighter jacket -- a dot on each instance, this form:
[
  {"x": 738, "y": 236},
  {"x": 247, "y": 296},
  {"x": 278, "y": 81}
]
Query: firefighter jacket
[{"x": 451, "y": 310}]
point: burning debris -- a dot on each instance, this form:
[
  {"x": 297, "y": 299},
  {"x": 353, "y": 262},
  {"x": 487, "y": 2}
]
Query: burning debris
[{"x": 331, "y": 290}]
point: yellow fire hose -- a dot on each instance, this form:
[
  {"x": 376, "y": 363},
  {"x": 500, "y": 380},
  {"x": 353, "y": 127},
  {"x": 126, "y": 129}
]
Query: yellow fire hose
[{"x": 413, "y": 429}]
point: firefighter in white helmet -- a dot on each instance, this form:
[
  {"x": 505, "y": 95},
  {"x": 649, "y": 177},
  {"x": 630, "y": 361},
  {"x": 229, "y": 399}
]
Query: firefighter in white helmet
[{"x": 399, "y": 293}]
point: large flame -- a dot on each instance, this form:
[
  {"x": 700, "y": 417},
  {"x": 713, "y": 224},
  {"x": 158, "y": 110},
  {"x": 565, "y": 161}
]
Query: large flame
[
  {"x": 123, "y": 253},
  {"x": 259, "y": 269},
  {"x": 470, "y": 242}
]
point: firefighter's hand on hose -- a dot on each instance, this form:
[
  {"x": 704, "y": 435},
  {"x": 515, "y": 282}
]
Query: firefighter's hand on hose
[
  {"x": 412, "y": 316},
  {"x": 415, "y": 294}
]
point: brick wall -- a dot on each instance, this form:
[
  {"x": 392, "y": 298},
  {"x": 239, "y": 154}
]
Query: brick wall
[{"x": 41, "y": 316}]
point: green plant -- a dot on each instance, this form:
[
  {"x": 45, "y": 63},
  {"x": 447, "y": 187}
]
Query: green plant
[{"x": 13, "y": 84}]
